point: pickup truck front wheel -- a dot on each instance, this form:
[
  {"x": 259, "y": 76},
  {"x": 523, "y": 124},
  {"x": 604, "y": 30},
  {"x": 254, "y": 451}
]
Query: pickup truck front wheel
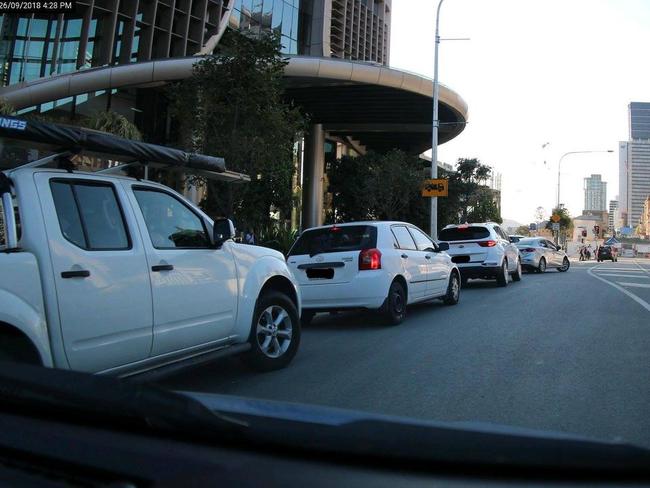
[{"x": 275, "y": 332}]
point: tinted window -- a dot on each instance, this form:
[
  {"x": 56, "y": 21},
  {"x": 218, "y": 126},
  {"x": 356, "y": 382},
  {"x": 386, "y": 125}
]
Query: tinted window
[
  {"x": 101, "y": 217},
  {"x": 501, "y": 234},
  {"x": 528, "y": 242},
  {"x": 170, "y": 223},
  {"x": 403, "y": 237},
  {"x": 68, "y": 214},
  {"x": 335, "y": 239},
  {"x": 463, "y": 233},
  {"x": 422, "y": 241},
  {"x": 89, "y": 215}
]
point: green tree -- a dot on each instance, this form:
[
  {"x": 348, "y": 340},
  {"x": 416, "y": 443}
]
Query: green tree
[
  {"x": 232, "y": 106},
  {"x": 566, "y": 222},
  {"x": 374, "y": 186},
  {"x": 113, "y": 123},
  {"x": 473, "y": 199},
  {"x": 522, "y": 230}
]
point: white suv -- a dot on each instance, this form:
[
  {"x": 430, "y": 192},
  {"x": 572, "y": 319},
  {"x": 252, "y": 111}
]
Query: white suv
[
  {"x": 482, "y": 251},
  {"x": 372, "y": 265}
]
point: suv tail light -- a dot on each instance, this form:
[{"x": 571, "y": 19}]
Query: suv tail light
[
  {"x": 487, "y": 243},
  {"x": 370, "y": 259}
]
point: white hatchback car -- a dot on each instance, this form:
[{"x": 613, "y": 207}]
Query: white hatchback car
[
  {"x": 371, "y": 265},
  {"x": 483, "y": 251}
]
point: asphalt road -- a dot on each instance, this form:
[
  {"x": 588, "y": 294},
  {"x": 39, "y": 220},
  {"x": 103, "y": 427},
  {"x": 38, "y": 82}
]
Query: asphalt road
[{"x": 557, "y": 351}]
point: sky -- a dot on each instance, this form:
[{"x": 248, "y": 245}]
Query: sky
[{"x": 534, "y": 71}]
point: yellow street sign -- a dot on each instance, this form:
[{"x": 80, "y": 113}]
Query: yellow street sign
[
  {"x": 435, "y": 188},
  {"x": 556, "y": 218}
]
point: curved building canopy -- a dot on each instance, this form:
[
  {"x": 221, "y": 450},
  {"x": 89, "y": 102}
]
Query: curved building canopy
[{"x": 380, "y": 107}]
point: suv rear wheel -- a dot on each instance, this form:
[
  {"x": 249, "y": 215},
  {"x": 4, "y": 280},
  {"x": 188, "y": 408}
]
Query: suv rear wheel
[
  {"x": 275, "y": 332},
  {"x": 502, "y": 277}
]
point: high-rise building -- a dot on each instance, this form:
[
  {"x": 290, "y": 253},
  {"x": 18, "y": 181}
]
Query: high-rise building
[
  {"x": 595, "y": 193},
  {"x": 639, "y": 120},
  {"x": 611, "y": 222},
  {"x": 634, "y": 180}
]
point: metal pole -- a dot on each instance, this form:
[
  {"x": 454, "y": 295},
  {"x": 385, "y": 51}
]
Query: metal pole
[
  {"x": 559, "y": 164},
  {"x": 436, "y": 124}
]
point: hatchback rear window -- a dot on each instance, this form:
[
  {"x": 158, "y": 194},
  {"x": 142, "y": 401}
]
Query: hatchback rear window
[
  {"x": 335, "y": 239},
  {"x": 463, "y": 233},
  {"x": 528, "y": 242}
]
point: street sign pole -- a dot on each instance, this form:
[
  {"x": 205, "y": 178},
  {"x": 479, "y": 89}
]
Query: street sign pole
[{"x": 434, "y": 128}]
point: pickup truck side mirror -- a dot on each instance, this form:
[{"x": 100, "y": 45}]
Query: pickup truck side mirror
[
  {"x": 222, "y": 230},
  {"x": 443, "y": 246}
]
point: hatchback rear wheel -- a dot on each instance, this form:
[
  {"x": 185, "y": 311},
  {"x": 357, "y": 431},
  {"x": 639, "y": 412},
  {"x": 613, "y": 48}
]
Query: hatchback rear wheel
[
  {"x": 542, "y": 266},
  {"x": 395, "y": 305}
]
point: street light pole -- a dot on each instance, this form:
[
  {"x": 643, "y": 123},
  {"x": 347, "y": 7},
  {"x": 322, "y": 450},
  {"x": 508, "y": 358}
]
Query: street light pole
[
  {"x": 559, "y": 165},
  {"x": 436, "y": 125}
]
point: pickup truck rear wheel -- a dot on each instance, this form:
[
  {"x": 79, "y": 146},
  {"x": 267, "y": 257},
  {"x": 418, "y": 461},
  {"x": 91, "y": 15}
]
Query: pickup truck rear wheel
[{"x": 275, "y": 332}]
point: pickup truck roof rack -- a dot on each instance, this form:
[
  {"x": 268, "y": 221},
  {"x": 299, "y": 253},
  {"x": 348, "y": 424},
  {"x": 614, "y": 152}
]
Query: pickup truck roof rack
[{"x": 67, "y": 140}]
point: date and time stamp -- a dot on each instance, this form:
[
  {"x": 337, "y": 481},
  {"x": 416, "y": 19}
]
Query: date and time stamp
[{"x": 37, "y": 7}]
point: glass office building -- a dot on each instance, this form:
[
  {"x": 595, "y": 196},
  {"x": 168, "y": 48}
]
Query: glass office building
[{"x": 280, "y": 16}]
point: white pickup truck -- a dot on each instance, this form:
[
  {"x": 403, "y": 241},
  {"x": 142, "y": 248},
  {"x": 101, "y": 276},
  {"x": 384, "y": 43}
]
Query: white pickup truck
[{"x": 110, "y": 274}]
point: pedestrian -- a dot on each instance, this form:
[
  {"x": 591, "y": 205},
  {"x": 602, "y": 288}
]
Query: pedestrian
[{"x": 249, "y": 236}]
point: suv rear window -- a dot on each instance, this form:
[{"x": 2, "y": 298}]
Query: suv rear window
[
  {"x": 335, "y": 239},
  {"x": 463, "y": 234}
]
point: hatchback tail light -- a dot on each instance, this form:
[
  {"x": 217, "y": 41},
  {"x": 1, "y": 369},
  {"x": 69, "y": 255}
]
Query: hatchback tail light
[
  {"x": 370, "y": 259},
  {"x": 528, "y": 249},
  {"x": 487, "y": 243}
]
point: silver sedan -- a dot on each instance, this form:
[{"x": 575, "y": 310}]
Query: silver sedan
[{"x": 538, "y": 254}]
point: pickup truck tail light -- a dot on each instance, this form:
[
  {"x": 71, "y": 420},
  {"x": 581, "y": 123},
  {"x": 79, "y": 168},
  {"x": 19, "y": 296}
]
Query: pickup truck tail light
[
  {"x": 370, "y": 259},
  {"x": 487, "y": 243}
]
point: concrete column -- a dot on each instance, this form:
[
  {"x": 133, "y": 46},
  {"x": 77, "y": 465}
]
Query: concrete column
[{"x": 313, "y": 171}]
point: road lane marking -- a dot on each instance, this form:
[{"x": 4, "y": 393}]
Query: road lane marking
[
  {"x": 638, "y": 300},
  {"x": 629, "y": 270},
  {"x": 640, "y": 277},
  {"x": 634, "y": 285}
]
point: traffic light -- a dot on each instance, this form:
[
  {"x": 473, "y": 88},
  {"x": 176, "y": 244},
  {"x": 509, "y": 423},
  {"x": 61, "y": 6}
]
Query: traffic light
[
  {"x": 584, "y": 233},
  {"x": 597, "y": 229}
]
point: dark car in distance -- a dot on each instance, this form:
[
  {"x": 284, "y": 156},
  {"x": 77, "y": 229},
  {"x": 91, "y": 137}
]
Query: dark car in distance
[{"x": 605, "y": 252}]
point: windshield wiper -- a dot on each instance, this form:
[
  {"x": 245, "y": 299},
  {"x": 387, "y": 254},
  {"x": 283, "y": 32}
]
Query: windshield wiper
[{"x": 106, "y": 399}]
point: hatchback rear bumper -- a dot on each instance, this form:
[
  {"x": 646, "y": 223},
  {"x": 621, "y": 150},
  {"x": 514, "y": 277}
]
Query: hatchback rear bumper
[{"x": 367, "y": 290}]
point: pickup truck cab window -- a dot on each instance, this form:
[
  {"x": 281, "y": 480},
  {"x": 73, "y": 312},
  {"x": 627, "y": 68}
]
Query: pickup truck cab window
[
  {"x": 171, "y": 224},
  {"x": 89, "y": 215}
]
